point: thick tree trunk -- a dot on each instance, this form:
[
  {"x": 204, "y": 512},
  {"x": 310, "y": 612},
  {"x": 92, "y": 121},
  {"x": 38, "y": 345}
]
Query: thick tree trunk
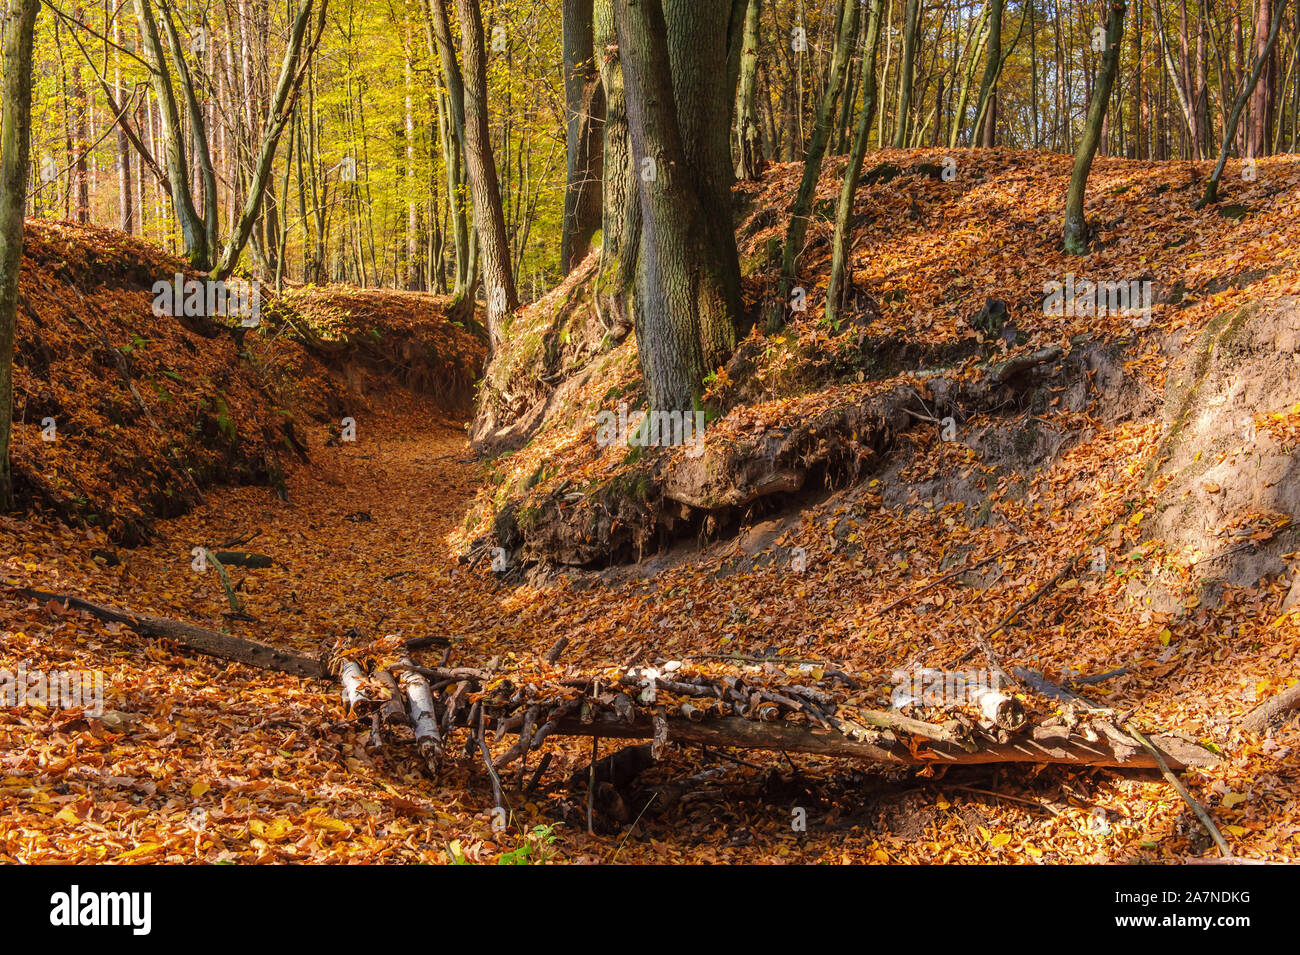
[
  {"x": 489, "y": 216},
  {"x": 15, "y": 142},
  {"x": 681, "y": 296},
  {"x": 1076, "y": 226},
  {"x": 703, "y": 93},
  {"x": 584, "y": 104}
]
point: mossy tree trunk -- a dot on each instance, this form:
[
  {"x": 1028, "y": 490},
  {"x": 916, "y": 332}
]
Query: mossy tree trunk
[
  {"x": 620, "y": 224},
  {"x": 194, "y": 234},
  {"x": 451, "y": 130},
  {"x": 15, "y": 143},
  {"x": 749, "y": 145},
  {"x": 992, "y": 66}
]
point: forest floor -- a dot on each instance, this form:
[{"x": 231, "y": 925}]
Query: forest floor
[{"x": 198, "y": 760}]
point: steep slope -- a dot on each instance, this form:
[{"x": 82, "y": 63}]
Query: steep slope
[{"x": 124, "y": 413}]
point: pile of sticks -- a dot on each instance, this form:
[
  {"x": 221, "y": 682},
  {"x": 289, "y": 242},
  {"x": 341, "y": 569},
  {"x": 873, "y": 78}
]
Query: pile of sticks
[
  {"x": 750, "y": 710},
  {"x": 748, "y": 707}
]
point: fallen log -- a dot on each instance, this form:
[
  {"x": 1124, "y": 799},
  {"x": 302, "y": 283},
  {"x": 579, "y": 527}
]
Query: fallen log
[
  {"x": 821, "y": 741},
  {"x": 199, "y": 639},
  {"x": 353, "y": 679},
  {"x": 424, "y": 718},
  {"x": 1258, "y": 719},
  {"x": 393, "y": 712}
]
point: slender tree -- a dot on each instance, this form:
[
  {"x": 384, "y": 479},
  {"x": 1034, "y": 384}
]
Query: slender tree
[
  {"x": 907, "y": 72},
  {"x": 451, "y": 134},
  {"x": 992, "y": 67},
  {"x": 838, "y": 288},
  {"x": 801, "y": 212},
  {"x": 1230, "y": 128},
  {"x": 1076, "y": 225}
]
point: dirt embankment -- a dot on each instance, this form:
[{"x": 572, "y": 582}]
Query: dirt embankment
[
  {"x": 125, "y": 413},
  {"x": 953, "y": 324}
]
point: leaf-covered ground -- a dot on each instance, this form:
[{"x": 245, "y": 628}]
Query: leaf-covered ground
[{"x": 200, "y": 761}]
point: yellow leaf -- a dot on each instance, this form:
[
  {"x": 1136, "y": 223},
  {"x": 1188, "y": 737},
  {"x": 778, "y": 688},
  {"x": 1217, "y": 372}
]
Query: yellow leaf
[
  {"x": 277, "y": 829},
  {"x": 1164, "y": 637},
  {"x": 1232, "y": 799},
  {"x": 199, "y": 788},
  {"x": 328, "y": 822},
  {"x": 138, "y": 850},
  {"x": 1001, "y": 839},
  {"x": 1236, "y": 830},
  {"x": 67, "y": 815}
]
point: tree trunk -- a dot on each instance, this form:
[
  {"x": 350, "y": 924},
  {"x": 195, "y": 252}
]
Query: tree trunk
[
  {"x": 838, "y": 287},
  {"x": 451, "y": 131},
  {"x": 1076, "y": 226},
  {"x": 963, "y": 98},
  {"x": 277, "y": 119},
  {"x": 193, "y": 232},
  {"x": 15, "y": 142},
  {"x": 992, "y": 67},
  {"x": 749, "y": 147},
  {"x": 1263, "y": 100},
  {"x": 681, "y": 288},
  {"x": 1230, "y": 128},
  {"x": 907, "y": 72},
  {"x": 801, "y": 212},
  {"x": 584, "y": 104},
  {"x": 125, "y": 203},
  {"x": 489, "y": 216},
  {"x": 704, "y": 95},
  {"x": 620, "y": 203}
]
